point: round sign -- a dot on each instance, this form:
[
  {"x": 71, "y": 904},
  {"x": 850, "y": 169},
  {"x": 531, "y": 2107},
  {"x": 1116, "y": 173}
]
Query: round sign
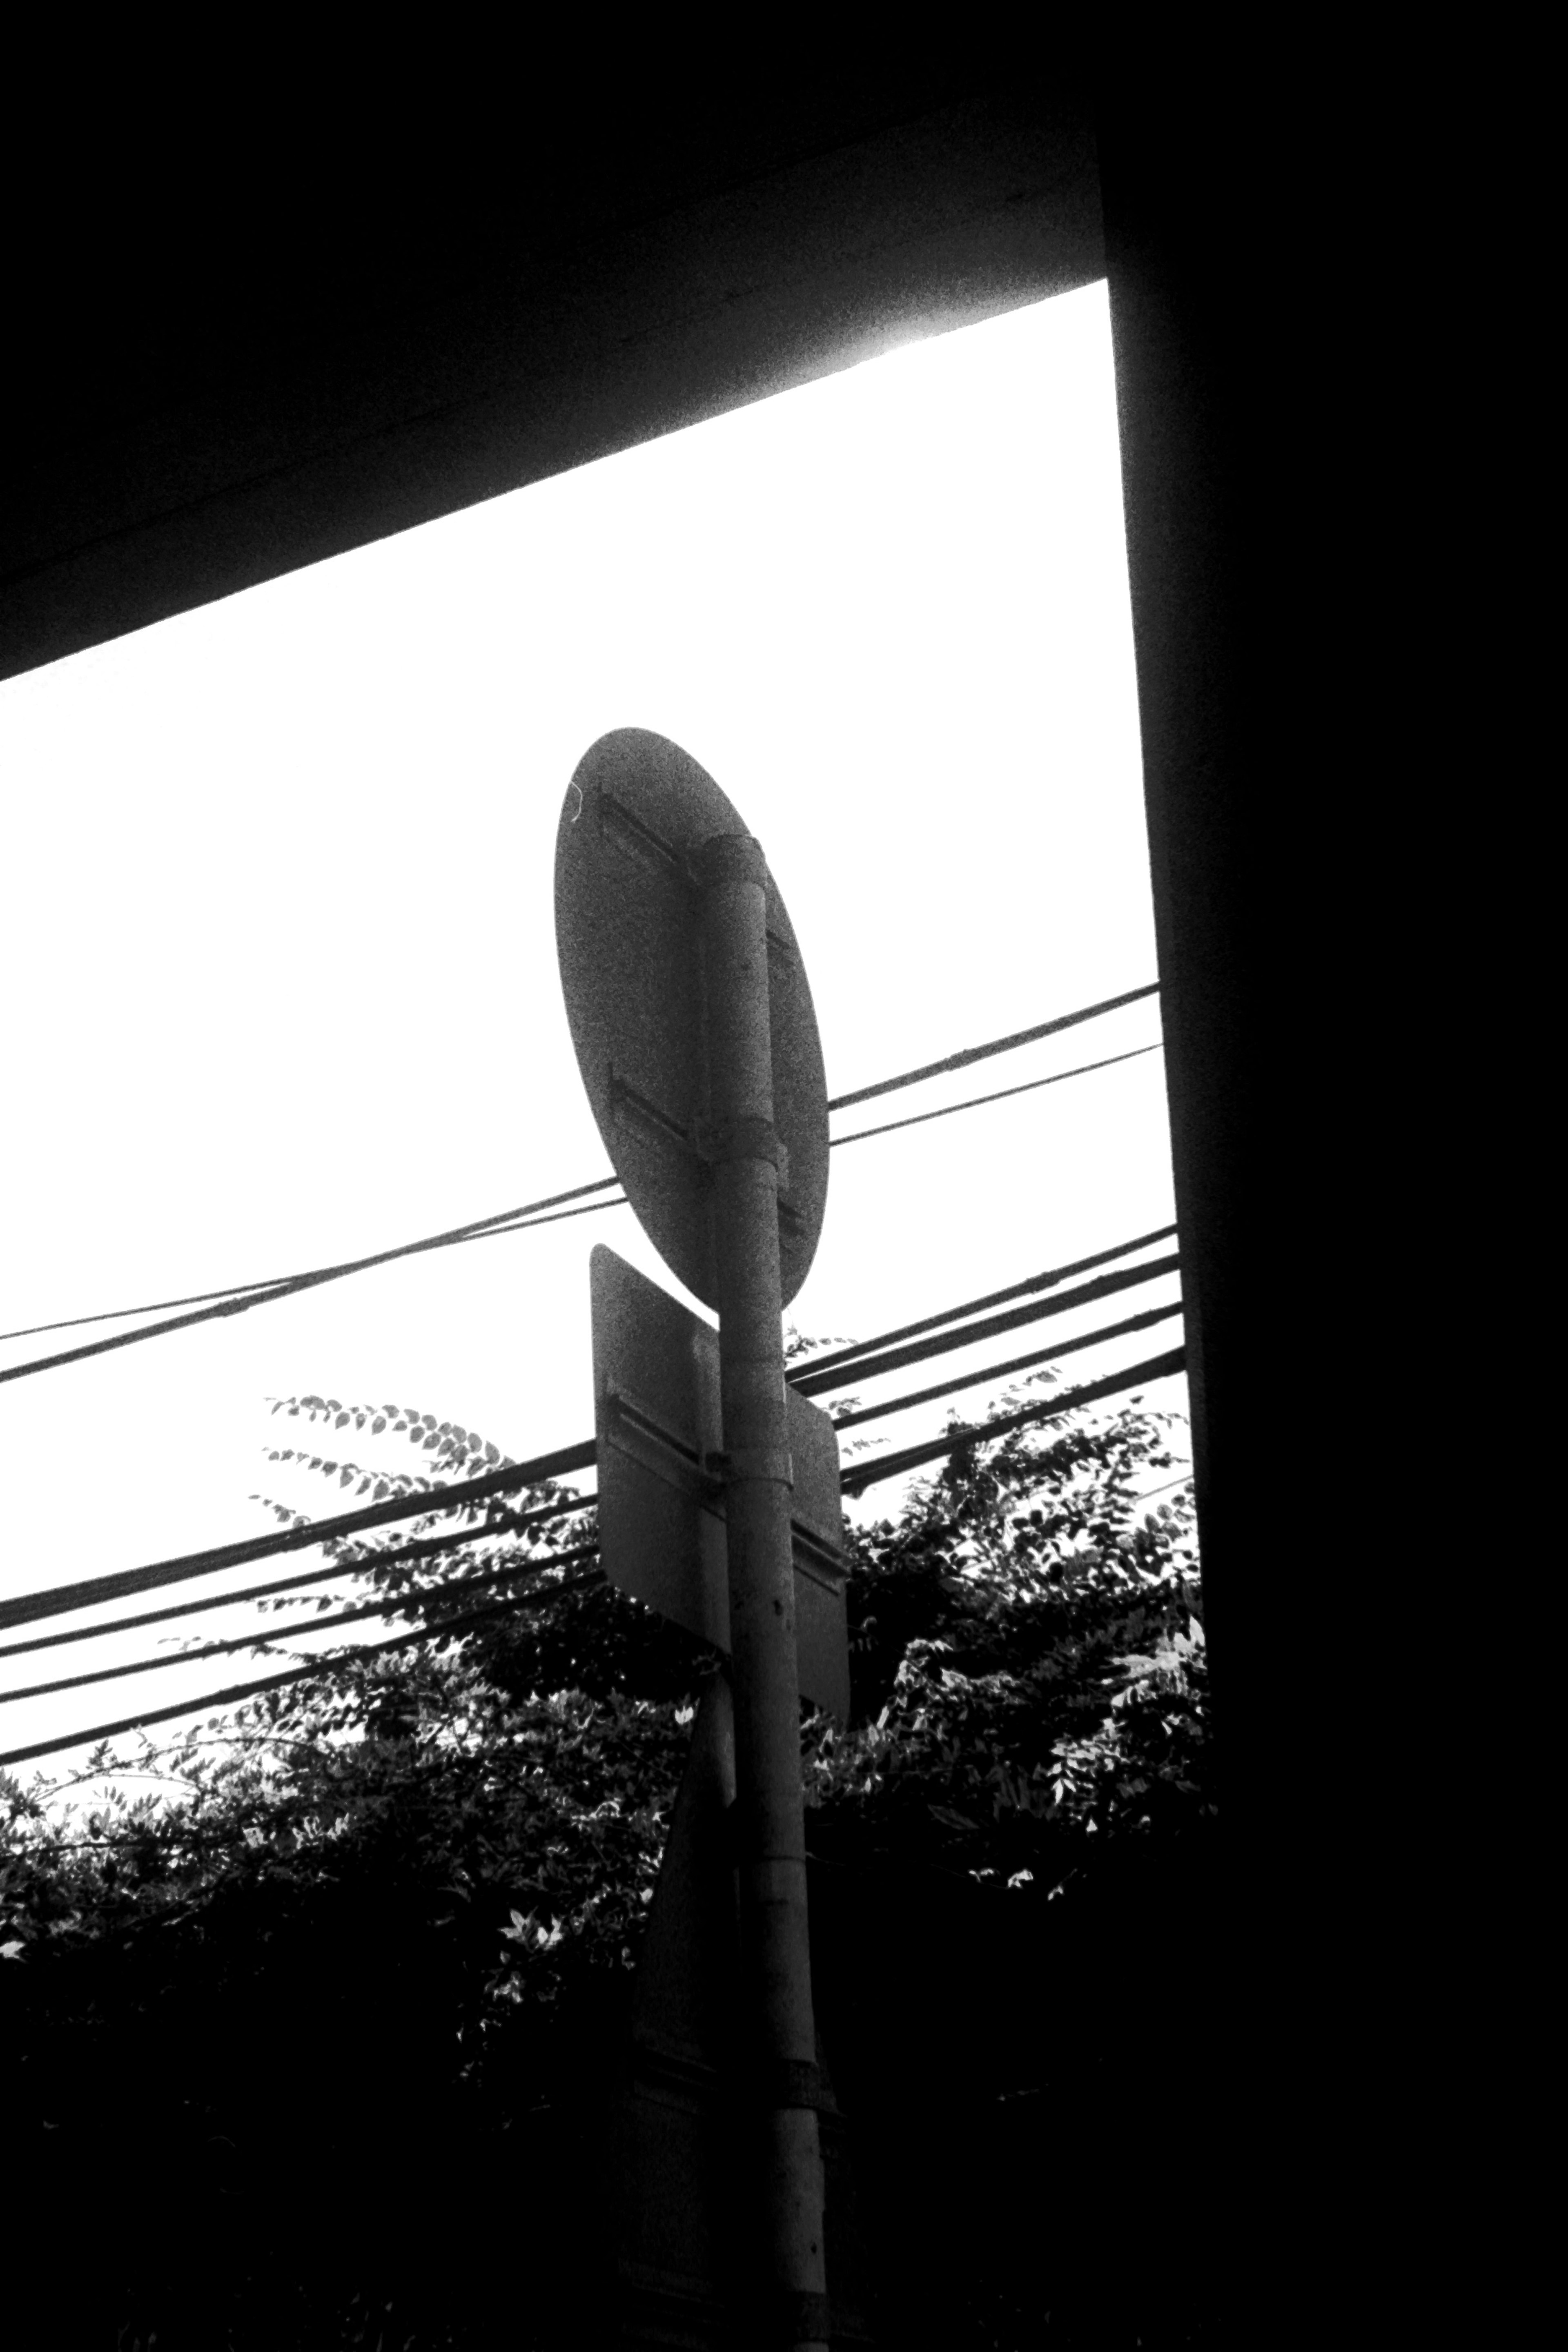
[{"x": 629, "y": 935}]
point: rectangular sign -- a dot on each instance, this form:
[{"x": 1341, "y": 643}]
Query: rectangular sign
[{"x": 661, "y": 1507}]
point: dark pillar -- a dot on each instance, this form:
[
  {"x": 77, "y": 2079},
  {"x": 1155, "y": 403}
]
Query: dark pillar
[{"x": 1248, "y": 402}]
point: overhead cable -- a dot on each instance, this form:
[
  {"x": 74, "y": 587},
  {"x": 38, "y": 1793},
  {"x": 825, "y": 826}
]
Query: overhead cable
[
  {"x": 238, "y": 1691},
  {"x": 484, "y": 1229},
  {"x": 998, "y": 1046},
  {"x": 208, "y": 1306},
  {"x": 384, "y": 1605},
  {"x": 857, "y": 1478},
  {"x": 831, "y": 1372},
  {"x": 290, "y": 1286},
  {"x": 65, "y": 1598},
  {"x": 1015, "y": 1364},
  {"x": 989, "y": 1326},
  {"x": 1148, "y": 1494},
  {"x": 1035, "y": 1281},
  {"x": 478, "y": 1231},
  {"x": 859, "y": 1475},
  {"x": 973, "y": 1102},
  {"x": 434, "y": 1545},
  {"x": 426, "y": 1548}
]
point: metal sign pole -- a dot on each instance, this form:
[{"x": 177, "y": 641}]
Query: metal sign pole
[
  {"x": 744, "y": 1149},
  {"x": 698, "y": 1044}
]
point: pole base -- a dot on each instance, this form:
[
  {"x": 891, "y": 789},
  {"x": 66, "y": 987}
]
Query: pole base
[{"x": 681, "y": 2222}]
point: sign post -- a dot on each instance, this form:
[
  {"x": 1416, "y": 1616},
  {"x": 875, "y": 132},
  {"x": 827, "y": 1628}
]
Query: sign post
[
  {"x": 759, "y": 1479},
  {"x": 697, "y": 1041}
]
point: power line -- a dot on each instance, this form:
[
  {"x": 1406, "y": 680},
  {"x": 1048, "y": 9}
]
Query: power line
[
  {"x": 891, "y": 1465},
  {"x": 433, "y": 1547},
  {"x": 832, "y": 1372},
  {"x": 1035, "y": 1281},
  {"x": 238, "y": 1297},
  {"x": 387, "y": 1605},
  {"x": 523, "y": 1220},
  {"x": 857, "y": 1478},
  {"x": 997, "y": 1045},
  {"x": 287, "y": 1287},
  {"x": 426, "y": 1548},
  {"x": 1105, "y": 1285},
  {"x": 484, "y": 1229},
  {"x": 436, "y": 1545},
  {"x": 238, "y": 1691},
  {"x": 1153, "y": 1491},
  {"x": 1015, "y": 1364},
  {"x": 990, "y": 1326},
  {"x": 973, "y": 1102},
  {"x": 66, "y": 1598}
]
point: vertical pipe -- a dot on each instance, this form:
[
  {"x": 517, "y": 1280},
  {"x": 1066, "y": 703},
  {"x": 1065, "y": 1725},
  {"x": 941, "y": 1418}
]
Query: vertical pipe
[{"x": 758, "y": 1478}]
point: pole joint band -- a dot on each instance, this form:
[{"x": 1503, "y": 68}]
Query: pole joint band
[
  {"x": 753, "y": 1462},
  {"x": 791, "y": 2083},
  {"x": 720, "y": 1141}
]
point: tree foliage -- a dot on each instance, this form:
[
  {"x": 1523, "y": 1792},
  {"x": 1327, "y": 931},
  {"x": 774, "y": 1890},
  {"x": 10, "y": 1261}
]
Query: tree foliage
[{"x": 457, "y": 1841}]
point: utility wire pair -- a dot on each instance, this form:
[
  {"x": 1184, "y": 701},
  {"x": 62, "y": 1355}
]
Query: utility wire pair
[
  {"x": 868, "y": 1359},
  {"x": 208, "y": 1306},
  {"x": 884, "y": 1466}
]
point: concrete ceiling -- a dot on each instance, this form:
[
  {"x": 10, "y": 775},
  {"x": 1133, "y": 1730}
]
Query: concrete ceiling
[{"x": 238, "y": 361}]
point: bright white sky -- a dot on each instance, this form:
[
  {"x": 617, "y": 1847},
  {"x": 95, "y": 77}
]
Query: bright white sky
[{"x": 277, "y": 936}]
